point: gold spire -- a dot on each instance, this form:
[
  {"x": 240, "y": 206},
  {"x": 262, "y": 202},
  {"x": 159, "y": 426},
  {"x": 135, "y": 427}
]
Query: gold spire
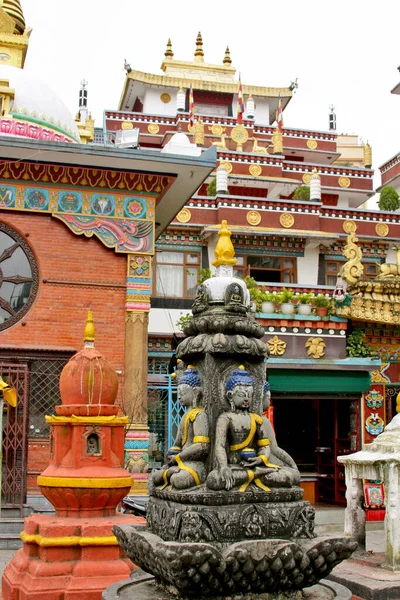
[
  {"x": 14, "y": 10},
  {"x": 227, "y": 58},
  {"x": 168, "y": 53},
  {"x": 198, "y": 53},
  {"x": 88, "y": 335},
  {"x": 224, "y": 251},
  {"x": 367, "y": 156},
  {"x": 315, "y": 174}
]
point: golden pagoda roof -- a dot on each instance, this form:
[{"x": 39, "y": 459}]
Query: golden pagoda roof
[{"x": 14, "y": 10}]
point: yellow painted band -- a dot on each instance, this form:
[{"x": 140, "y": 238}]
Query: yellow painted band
[
  {"x": 74, "y": 420},
  {"x": 182, "y": 466},
  {"x": 260, "y": 484},
  {"x": 46, "y": 542},
  {"x": 254, "y": 420},
  {"x": 190, "y": 416},
  {"x": 85, "y": 482},
  {"x": 267, "y": 463},
  {"x": 250, "y": 477},
  {"x": 201, "y": 438},
  {"x": 165, "y": 479},
  {"x": 175, "y": 448},
  {"x": 264, "y": 442}
]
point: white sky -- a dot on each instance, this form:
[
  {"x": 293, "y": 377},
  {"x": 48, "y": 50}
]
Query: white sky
[{"x": 344, "y": 53}]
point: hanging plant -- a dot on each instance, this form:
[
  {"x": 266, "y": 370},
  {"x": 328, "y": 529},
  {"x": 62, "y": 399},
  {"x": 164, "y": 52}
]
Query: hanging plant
[{"x": 356, "y": 345}]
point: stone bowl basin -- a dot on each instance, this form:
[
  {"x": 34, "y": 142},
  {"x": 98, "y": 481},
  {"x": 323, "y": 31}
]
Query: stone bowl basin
[{"x": 253, "y": 566}]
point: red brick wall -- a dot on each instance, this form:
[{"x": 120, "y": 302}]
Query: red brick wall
[{"x": 58, "y": 315}]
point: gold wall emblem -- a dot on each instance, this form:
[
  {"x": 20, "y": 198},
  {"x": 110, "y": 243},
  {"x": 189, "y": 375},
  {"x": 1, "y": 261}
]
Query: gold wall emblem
[
  {"x": 216, "y": 129},
  {"x": 286, "y": 220},
  {"x": 153, "y": 128},
  {"x": 349, "y": 226},
  {"x": 253, "y": 217},
  {"x": 239, "y": 134},
  {"x": 165, "y": 98},
  {"x": 306, "y": 178},
  {"x": 276, "y": 346},
  {"x": 255, "y": 170},
  {"x": 316, "y": 347},
  {"x": 227, "y": 166},
  {"x": 344, "y": 182},
  {"x": 312, "y": 144},
  {"x": 184, "y": 215},
  {"x": 382, "y": 229},
  {"x": 126, "y": 125}
]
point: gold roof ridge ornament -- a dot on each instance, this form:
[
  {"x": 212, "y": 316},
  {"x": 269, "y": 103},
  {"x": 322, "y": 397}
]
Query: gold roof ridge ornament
[
  {"x": 88, "y": 334},
  {"x": 168, "y": 52},
  {"x": 199, "y": 53},
  {"x": 224, "y": 251},
  {"x": 227, "y": 58}
]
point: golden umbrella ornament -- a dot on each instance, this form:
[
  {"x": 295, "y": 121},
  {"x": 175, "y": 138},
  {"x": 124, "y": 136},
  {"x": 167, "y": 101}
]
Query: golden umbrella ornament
[{"x": 9, "y": 394}]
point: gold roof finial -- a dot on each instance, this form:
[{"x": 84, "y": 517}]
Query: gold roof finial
[
  {"x": 367, "y": 156},
  {"x": 88, "y": 335},
  {"x": 198, "y": 53},
  {"x": 224, "y": 251},
  {"x": 14, "y": 10},
  {"x": 168, "y": 53},
  {"x": 227, "y": 58},
  {"x": 315, "y": 174}
]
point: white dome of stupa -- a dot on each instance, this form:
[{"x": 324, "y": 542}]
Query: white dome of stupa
[{"x": 35, "y": 111}]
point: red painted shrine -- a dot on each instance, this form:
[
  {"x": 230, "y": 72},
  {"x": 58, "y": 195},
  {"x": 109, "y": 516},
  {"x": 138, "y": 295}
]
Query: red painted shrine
[{"x": 73, "y": 554}]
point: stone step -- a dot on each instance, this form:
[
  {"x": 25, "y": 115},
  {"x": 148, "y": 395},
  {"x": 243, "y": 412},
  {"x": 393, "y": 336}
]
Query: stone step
[
  {"x": 11, "y": 525},
  {"x": 10, "y": 541},
  {"x": 10, "y": 512}
]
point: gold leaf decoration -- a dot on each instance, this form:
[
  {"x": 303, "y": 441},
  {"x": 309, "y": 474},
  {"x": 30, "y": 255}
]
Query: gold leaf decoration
[
  {"x": 184, "y": 215},
  {"x": 276, "y": 346},
  {"x": 382, "y": 229},
  {"x": 286, "y": 220},
  {"x": 349, "y": 226},
  {"x": 226, "y": 165},
  {"x": 165, "y": 98},
  {"x": 153, "y": 128},
  {"x": 255, "y": 170},
  {"x": 316, "y": 347},
  {"x": 306, "y": 178},
  {"x": 253, "y": 217},
  {"x": 126, "y": 125},
  {"x": 312, "y": 144},
  {"x": 344, "y": 182}
]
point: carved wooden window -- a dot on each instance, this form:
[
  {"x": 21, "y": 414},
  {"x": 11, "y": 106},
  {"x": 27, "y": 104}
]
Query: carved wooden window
[
  {"x": 18, "y": 277},
  {"x": 176, "y": 274}
]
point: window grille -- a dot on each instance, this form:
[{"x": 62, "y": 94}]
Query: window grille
[{"x": 44, "y": 393}]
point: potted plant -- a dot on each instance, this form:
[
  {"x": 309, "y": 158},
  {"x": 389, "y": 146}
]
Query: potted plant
[
  {"x": 268, "y": 302},
  {"x": 321, "y": 305},
  {"x": 287, "y": 307},
  {"x": 304, "y": 306}
]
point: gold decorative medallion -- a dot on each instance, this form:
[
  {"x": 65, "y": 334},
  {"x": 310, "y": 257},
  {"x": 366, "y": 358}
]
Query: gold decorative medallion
[
  {"x": 227, "y": 166},
  {"x": 344, "y": 182},
  {"x": 349, "y": 226},
  {"x": 312, "y": 144},
  {"x": 126, "y": 125},
  {"x": 276, "y": 346},
  {"x": 316, "y": 347},
  {"x": 165, "y": 98},
  {"x": 184, "y": 215},
  {"x": 239, "y": 134},
  {"x": 286, "y": 220},
  {"x": 255, "y": 170},
  {"x": 382, "y": 229},
  {"x": 216, "y": 129},
  {"x": 153, "y": 128},
  {"x": 306, "y": 178},
  {"x": 253, "y": 217}
]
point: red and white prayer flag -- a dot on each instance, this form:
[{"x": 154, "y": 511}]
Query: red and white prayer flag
[
  {"x": 240, "y": 103},
  {"x": 279, "y": 116},
  {"x": 191, "y": 107}
]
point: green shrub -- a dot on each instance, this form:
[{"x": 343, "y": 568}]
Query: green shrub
[
  {"x": 389, "y": 199},
  {"x": 305, "y": 298},
  {"x": 250, "y": 282},
  {"x": 302, "y": 193},
  {"x": 183, "y": 320},
  {"x": 356, "y": 346}
]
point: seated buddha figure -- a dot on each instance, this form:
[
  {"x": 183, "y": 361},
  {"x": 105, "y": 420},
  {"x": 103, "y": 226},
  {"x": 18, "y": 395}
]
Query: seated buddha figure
[
  {"x": 242, "y": 443},
  {"x": 185, "y": 466}
]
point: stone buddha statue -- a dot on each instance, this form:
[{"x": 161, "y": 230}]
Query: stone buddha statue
[
  {"x": 243, "y": 444},
  {"x": 185, "y": 466}
]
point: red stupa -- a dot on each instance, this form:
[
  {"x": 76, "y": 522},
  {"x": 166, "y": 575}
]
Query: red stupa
[{"x": 74, "y": 554}]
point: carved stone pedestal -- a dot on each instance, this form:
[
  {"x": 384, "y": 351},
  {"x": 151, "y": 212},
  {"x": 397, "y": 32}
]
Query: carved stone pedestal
[{"x": 225, "y": 517}]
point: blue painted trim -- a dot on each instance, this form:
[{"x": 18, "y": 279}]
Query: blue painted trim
[{"x": 278, "y": 316}]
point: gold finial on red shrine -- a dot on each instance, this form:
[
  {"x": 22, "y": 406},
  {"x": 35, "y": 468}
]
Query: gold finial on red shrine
[
  {"x": 227, "y": 58},
  {"x": 224, "y": 251},
  {"x": 198, "y": 53},
  {"x": 88, "y": 335},
  {"x": 168, "y": 53}
]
